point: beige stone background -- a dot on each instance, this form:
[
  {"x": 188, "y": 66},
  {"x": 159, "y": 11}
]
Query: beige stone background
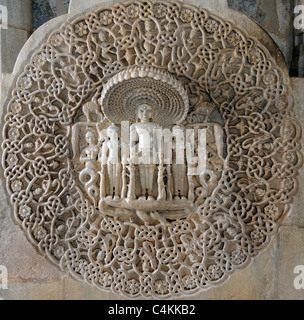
[{"x": 270, "y": 276}]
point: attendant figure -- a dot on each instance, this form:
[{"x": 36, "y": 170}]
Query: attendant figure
[
  {"x": 89, "y": 176},
  {"x": 110, "y": 156}
]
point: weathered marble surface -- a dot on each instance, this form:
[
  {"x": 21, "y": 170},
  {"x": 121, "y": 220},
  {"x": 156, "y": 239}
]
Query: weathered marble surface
[
  {"x": 269, "y": 277},
  {"x": 15, "y": 36},
  {"x": 44, "y": 10},
  {"x": 19, "y": 13},
  {"x": 268, "y": 14},
  {"x": 275, "y": 16}
]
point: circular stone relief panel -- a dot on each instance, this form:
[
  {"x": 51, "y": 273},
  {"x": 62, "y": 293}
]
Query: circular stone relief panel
[{"x": 177, "y": 242}]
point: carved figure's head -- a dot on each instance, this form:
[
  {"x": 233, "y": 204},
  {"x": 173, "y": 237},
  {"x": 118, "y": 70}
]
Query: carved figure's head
[
  {"x": 144, "y": 112},
  {"x": 90, "y": 137},
  {"x": 113, "y": 132},
  {"x": 178, "y": 133},
  {"x": 149, "y": 26},
  {"x": 102, "y": 36}
]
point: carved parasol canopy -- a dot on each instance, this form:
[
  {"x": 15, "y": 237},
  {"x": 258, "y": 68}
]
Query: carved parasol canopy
[{"x": 134, "y": 86}]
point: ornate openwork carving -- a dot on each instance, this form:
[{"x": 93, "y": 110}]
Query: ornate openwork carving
[{"x": 191, "y": 70}]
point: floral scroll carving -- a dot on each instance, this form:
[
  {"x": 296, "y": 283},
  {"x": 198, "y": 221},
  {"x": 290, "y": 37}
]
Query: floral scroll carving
[{"x": 230, "y": 81}]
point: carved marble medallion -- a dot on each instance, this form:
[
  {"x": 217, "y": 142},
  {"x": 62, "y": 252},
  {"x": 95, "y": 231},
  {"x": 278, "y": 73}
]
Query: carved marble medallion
[{"x": 150, "y": 148}]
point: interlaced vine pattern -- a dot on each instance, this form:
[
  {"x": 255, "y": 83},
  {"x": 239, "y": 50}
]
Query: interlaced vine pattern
[{"x": 211, "y": 58}]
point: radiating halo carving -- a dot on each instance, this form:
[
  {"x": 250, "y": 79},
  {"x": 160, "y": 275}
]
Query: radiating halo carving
[{"x": 131, "y": 87}]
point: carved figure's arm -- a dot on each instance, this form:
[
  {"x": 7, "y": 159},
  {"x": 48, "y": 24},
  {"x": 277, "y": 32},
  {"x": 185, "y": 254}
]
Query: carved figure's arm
[{"x": 134, "y": 138}]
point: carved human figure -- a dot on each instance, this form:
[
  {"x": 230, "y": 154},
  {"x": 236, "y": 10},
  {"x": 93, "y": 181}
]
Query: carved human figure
[
  {"x": 160, "y": 180},
  {"x": 89, "y": 156},
  {"x": 129, "y": 52},
  {"x": 91, "y": 108},
  {"x": 132, "y": 184},
  {"x": 219, "y": 140},
  {"x": 110, "y": 156},
  {"x": 207, "y": 110},
  {"x": 179, "y": 164},
  {"x": 194, "y": 39},
  {"x": 90, "y": 152},
  {"x": 144, "y": 147},
  {"x": 104, "y": 49},
  {"x": 149, "y": 35},
  {"x": 214, "y": 157}
]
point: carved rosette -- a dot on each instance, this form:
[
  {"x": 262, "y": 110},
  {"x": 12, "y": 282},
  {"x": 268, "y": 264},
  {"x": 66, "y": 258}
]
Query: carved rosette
[{"x": 216, "y": 63}]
